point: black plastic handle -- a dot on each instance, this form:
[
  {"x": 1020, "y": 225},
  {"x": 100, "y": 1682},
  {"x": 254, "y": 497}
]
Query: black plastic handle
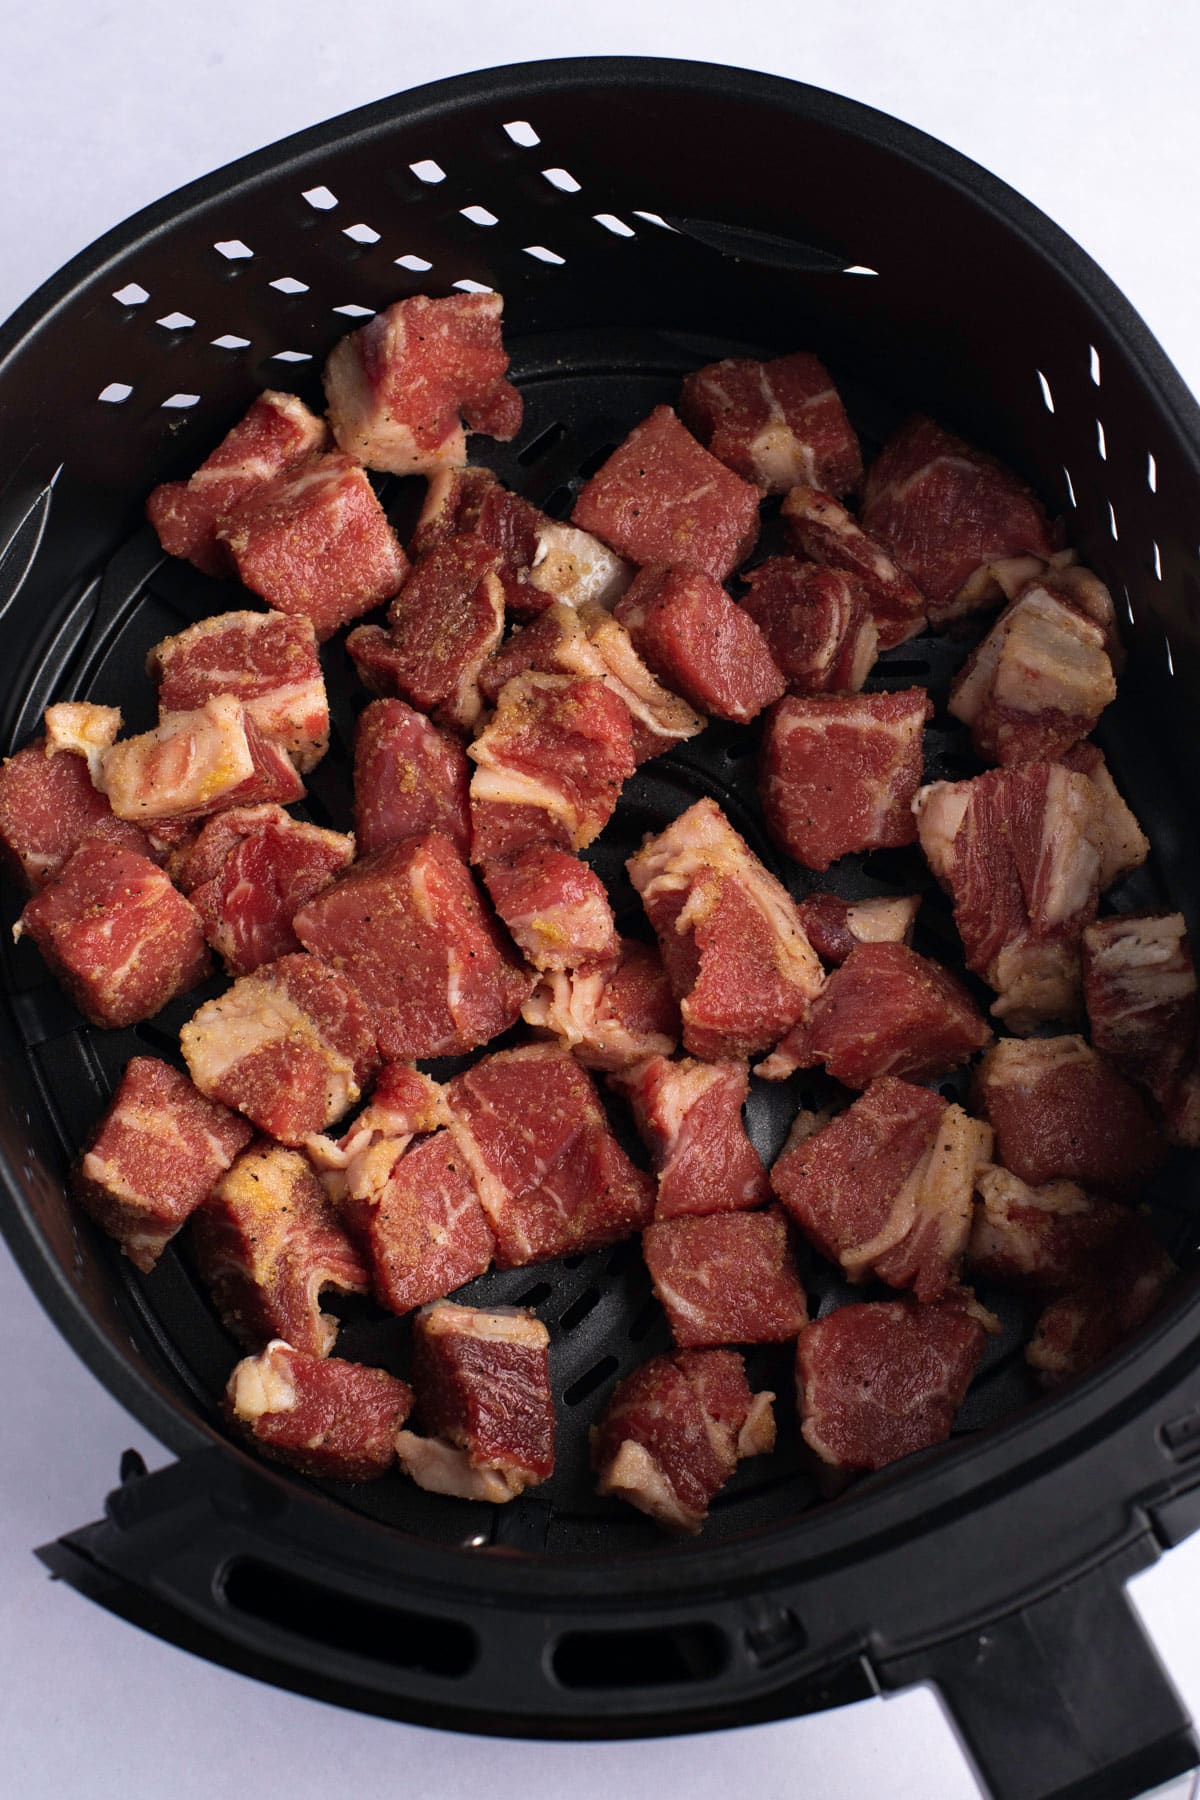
[{"x": 1064, "y": 1700}]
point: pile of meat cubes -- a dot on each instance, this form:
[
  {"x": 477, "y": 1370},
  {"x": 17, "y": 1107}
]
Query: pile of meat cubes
[{"x": 523, "y": 671}]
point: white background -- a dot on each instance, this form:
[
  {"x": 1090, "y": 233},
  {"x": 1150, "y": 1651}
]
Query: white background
[{"x": 1089, "y": 110}]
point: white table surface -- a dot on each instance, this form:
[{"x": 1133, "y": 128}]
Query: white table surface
[{"x": 1090, "y": 111}]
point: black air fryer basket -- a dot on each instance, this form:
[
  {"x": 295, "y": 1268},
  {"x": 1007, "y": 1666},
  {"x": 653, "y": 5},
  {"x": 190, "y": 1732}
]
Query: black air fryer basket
[{"x": 640, "y": 218}]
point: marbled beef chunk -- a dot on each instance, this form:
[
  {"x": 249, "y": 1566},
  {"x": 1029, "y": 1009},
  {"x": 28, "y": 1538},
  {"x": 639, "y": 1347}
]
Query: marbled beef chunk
[
  {"x": 323, "y": 1416},
  {"x": 726, "y": 1278},
  {"x": 689, "y": 1114},
  {"x": 409, "y": 778},
  {"x": 817, "y": 527},
  {"x": 775, "y": 423},
  {"x": 612, "y": 1016},
  {"x": 700, "y": 643},
  {"x": 268, "y": 661}
]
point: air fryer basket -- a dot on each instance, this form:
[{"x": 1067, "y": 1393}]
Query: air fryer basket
[{"x": 640, "y": 217}]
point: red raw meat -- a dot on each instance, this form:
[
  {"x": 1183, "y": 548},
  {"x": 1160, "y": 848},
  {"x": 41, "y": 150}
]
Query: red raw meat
[
  {"x": 692, "y": 635},
  {"x": 1139, "y": 985},
  {"x": 397, "y": 387},
  {"x": 674, "y": 1432},
  {"x": 690, "y": 1117},
  {"x": 1037, "y": 683},
  {"x": 839, "y": 772},
  {"x": 775, "y": 423},
  {"x": 550, "y": 765},
  {"x": 409, "y": 778},
  {"x": 731, "y": 938},
  {"x": 816, "y": 622},
  {"x": 726, "y": 1278},
  {"x": 249, "y": 872},
  {"x": 1077, "y": 1329},
  {"x": 277, "y": 434},
  {"x": 445, "y": 621},
  {"x": 1122, "y": 843},
  {"x": 1058, "y": 1109},
  {"x": 323, "y": 1416},
  {"x": 316, "y": 542},
  {"x": 551, "y": 1176},
  {"x": 49, "y": 807},
  {"x": 957, "y": 521},
  {"x": 423, "y": 1231},
  {"x": 661, "y": 498},
  {"x": 403, "y": 1104},
  {"x": 268, "y": 661},
  {"x": 157, "y": 1152},
  {"x": 817, "y": 527},
  {"x": 196, "y": 763},
  {"x": 1018, "y": 851},
  {"x": 555, "y": 643},
  {"x": 1052, "y": 1238},
  {"x": 885, "y": 1188},
  {"x": 290, "y": 1046},
  {"x": 880, "y": 1381},
  {"x": 554, "y": 906},
  {"x": 268, "y": 1243},
  {"x": 611, "y": 1016},
  {"x": 835, "y": 926},
  {"x": 885, "y": 1011},
  {"x": 483, "y": 1397},
  {"x": 118, "y": 937},
  {"x": 408, "y": 926}
]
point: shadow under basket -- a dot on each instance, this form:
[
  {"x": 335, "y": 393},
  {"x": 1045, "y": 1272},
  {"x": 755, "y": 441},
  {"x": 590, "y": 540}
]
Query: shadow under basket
[{"x": 640, "y": 218}]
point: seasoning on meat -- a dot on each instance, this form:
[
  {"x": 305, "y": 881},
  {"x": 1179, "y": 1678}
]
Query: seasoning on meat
[
  {"x": 1038, "y": 682},
  {"x": 276, "y": 435},
  {"x": 269, "y": 1244},
  {"x": 290, "y": 1046},
  {"x": 611, "y": 1016},
  {"x": 195, "y": 763},
  {"x": 774, "y": 423},
  {"x": 817, "y": 624},
  {"x": 555, "y": 907},
  {"x": 839, "y": 772},
  {"x": 726, "y": 1278},
  {"x": 156, "y": 1153},
  {"x": 442, "y": 625},
  {"x": 249, "y": 872},
  {"x": 403, "y": 1104},
  {"x": 483, "y": 1397},
  {"x": 49, "y": 808},
  {"x": 879, "y": 1381},
  {"x": 700, "y": 643},
  {"x": 834, "y": 926},
  {"x": 885, "y": 1188},
  {"x": 1060, "y": 1110},
  {"x": 321, "y": 1415},
  {"x": 885, "y": 1011},
  {"x": 1018, "y": 851},
  {"x": 960, "y": 523},
  {"x": 1076, "y": 1329},
  {"x": 409, "y": 778},
  {"x": 268, "y": 661},
  {"x": 315, "y": 542},
  {"x": 817, "y": 527},
  {"x": 1139, "y": 985},
  {"x": 551, "y": 1176},
  {"x": 731, "y": 938},
  {"x": 399, "y": 388},
  {"x": 117, "y": 936},
  {"x": 1049, "y": 1239},
  {"x": 661, "y": 498},
  {"x": 674, "y": 1432},
  {"x": 1122, "y": 843},
  {"x": 550, "y": 765},
  {"x": 689, "y": 1115},
  {"x": 408, "y": 926}
]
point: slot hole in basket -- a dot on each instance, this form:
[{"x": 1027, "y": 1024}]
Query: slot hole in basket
[
  {"x": 596, "y": 460},
  {"x": 541, "y": 1290},
  {"x": 467, "y": 286},
  {"x": 1094, "y": 363},
  {"x": 1112, "y": 522},
  {"x": 1151, "y": 472},
  {"x": 658, "y": 1656},
  {"x": 478, "y": 215},
  {"x": 320, "y": 198},
  {"x": 521, "y": 132},
  {"x": 115, "y": 393},
  {"x": 132, "y": 294},
  {"x": 292, "y": 356},
  {"x": 180, "y": 402},
  {"x": 1047, "y": 396},
  {"x": 562, "y": 179},
  {"x": 351, "y": 311},
  {"x": 1156, "y": 555},
  {"x": 230, "y": 341},
  {"x": 618, "y": 227},
  {"x": 540, "y": 254},
  {"x": 287, "y": 284},
  {"x": 653, "y": 218},
  {"x": 361, "y": 234},
  {"x": 417, "y": 264},
  {"x": 559, "y": 503},
  {"x": 175, "y": 321},
  {"x": 590, "y": 1380},
  {"x": 1101, "y": 441},
  {"x": 233, "y": 249},
  {"x": 643, "y": 1319},
  {"x": 579, "y": 1309},
  {"x": 428, "y": 171},
  {"x": 1071, "y": 500}
]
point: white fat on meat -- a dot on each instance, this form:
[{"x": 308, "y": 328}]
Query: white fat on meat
[
  {"x": 938, "y": 1189},
  {"x": 1035, "y": 982},
  {"x": 663, "y": 714},
  {"x": 442, "y": 1468},
  {"x": 248, "y": 1019},
  {"x": 888, "y": 920},
  {"x": 940, "y": 809},
  {"x": 1069, "y": 859},
  {"x": 88, "y": 731},
  {"x": 568, "y": 1005},
  {"x": 180, "y": 768},
  {"x": 633, "y": 1475},
  {"x": 362, "y": 422},
  {"x": 577, "y": 568},
  {"x": 500, "y": 1324},
  {"x": 262, "y": 1385},
  {"x": 1042, "y": 655}
]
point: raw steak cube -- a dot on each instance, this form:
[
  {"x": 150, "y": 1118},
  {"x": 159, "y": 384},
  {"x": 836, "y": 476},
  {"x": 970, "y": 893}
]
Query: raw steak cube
[
  {"x": 323, "y": 1416},
  {"x": 403, "y": 1104},
  {"x": 817, "y": 527},
  {"x": 1077, "y": 1329},
  {"x": 409, "y": 778},
  {"x": 775, "y": 423},
  {"x": 555, "y": 907},
  {"x": 612, "y": 1016},
  {"x": 1122, "y": 844},
  {"x": 409, "y": 928},
  {"x": 196, "y": 763},
  {"x": 290, "y": 1046},
  {"x": 316, "y": 542},
  {"x": 423, "y": 1232},
  {"x": 674, "y": 1432},
  {"x": 817, "y": 624},
  {"x": 268, "y": 1243},
  {"x": 661, "y": 498},
  {"x": 268, "y": 661},
  {"x": 49, "y": 807},
  {"x": 483, "y": 1396},
  {"x": 1140, "y": 988},
  {"x": 118, "y": 937},
  {"x": 839, "y": 773},
  {"x": 835, "y": 926},
  {"x": 726, "y": 1278},
  {"x": 443, "y": 623},
  {"x": 689, "y": 1114},
  {"x": 157, "y": 1152},
  {"x": 396, "y": 388},
  {"x": 701, "y": 644},
  {"x": 1049, "y": 1239},
  {"x": 552, "y": 1178}
]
